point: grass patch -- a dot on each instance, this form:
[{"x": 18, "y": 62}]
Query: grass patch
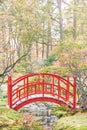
[
  {"x": 75, "y": 122},
  {"x": 13, "y": 120},
  {"x": 3, "y": 102},
  {"x": 61, "y": 111},
  {"x": 10, "y": 119}
]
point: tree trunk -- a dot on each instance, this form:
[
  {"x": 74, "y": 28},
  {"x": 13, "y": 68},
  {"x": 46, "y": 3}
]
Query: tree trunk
[
  {"x": 43, "y": 42},
  {"x": 47, "y": 52},
  {"x": 37, "y": 49},
  {"x": 49, "y": 39},
  {"x": 43, "y": 50},
  {"x": 74, "y": 21},
  {"x": 59, "y": 2}
]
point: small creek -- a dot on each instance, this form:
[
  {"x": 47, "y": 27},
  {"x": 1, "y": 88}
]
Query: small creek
[
  {"x": 42, "y": 113},
  {"x": 47, "y": 119}
]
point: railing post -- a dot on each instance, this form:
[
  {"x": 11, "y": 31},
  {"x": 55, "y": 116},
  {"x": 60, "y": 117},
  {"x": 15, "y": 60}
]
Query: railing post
[
  {"x": 9, "y": 91},
  {"x": 59, "y": 88},
  {"x": 67, "y": 93},
  {"x": 74, "y": 92},
  {"x": 25, "y": 86},
  {"x": 52, "y": 87},
  {"x": 43, "y": 86},
  {"x": 38, "y": 89}
]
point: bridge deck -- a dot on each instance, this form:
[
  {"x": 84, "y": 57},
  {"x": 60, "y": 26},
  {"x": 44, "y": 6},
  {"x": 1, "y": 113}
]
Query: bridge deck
[{"x": 40, "y": 96}]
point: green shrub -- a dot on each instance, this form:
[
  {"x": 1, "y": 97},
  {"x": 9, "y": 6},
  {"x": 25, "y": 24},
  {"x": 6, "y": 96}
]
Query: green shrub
[
  {"x": 49, "y": 61},
  {"x": 62, "y": 71}
]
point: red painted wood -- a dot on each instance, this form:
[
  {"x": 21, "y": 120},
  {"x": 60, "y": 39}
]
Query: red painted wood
[
  {"x": 42, "y": 99},
  {"x": 9, "y": 91},
  {"x": 49, "y": 87},
  {"x": 67, "y": 96},
  {"x": 74, "y": 91}
]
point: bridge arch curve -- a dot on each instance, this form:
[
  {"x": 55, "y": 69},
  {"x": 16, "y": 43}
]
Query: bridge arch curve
[
  {"x": 39, "y": 99},
  {"x": 37, "y": 87}
]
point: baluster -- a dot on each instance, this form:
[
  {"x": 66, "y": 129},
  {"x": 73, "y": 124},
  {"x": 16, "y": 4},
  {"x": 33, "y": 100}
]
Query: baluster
[
  {"x": 52, "y": 88},
  {"x": 67, "y": 88},
  {"x": 43, "y": 86},
  {"x": 74, "y": 93},
  {"x": 27, "y": 88},
  {"x": 38, "y": 89},
  {"x": 59, "y": 88}
]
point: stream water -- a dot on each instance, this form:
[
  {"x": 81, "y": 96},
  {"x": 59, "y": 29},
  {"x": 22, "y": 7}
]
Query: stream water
[
  {"x": 47, "y": 120},
  {"x": 42, "y": 113}
]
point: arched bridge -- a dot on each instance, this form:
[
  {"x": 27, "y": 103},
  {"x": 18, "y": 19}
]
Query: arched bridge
[{"x": 41, "y": 87}]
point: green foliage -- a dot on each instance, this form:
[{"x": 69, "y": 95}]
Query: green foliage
[
  {"x": 59, "y": 111},
  {"x": 34, "y": 126},
  {"x": 23, "y": 67},
  {"x": 83, "y": 66},
  {"x": 49, "y": 61},
  {"x": 76, "y": 122},
  {"x": 59, "y": 114},
  {"x": 71, "y": 54},
  {"x": 2, "y": 101},
  {"x": 10, "y": 119},
  {"x": 63, "y": 71},
  {"x": 20, "y": 68}
]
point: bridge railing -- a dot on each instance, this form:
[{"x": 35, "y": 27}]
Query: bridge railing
[{"x": 44, "y": 85}]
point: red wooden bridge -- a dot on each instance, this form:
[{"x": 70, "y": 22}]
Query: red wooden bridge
[{"x": 41, "y": 87}]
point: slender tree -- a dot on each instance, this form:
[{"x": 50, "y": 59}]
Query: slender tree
[
  {"x": 74, "y": 20},
  {"x": 59, "y": 2}
]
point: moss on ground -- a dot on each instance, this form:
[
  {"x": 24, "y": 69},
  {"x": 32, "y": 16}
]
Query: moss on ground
[
  {"x": 10, "y": 119},
  {"x": 75, "y": 122},
  {"x": 13, "y": 120}
]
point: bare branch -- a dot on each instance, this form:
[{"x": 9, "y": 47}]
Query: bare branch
[
  {"x": 10, "y": 67},
  {"x": 65, "y": 2}
]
